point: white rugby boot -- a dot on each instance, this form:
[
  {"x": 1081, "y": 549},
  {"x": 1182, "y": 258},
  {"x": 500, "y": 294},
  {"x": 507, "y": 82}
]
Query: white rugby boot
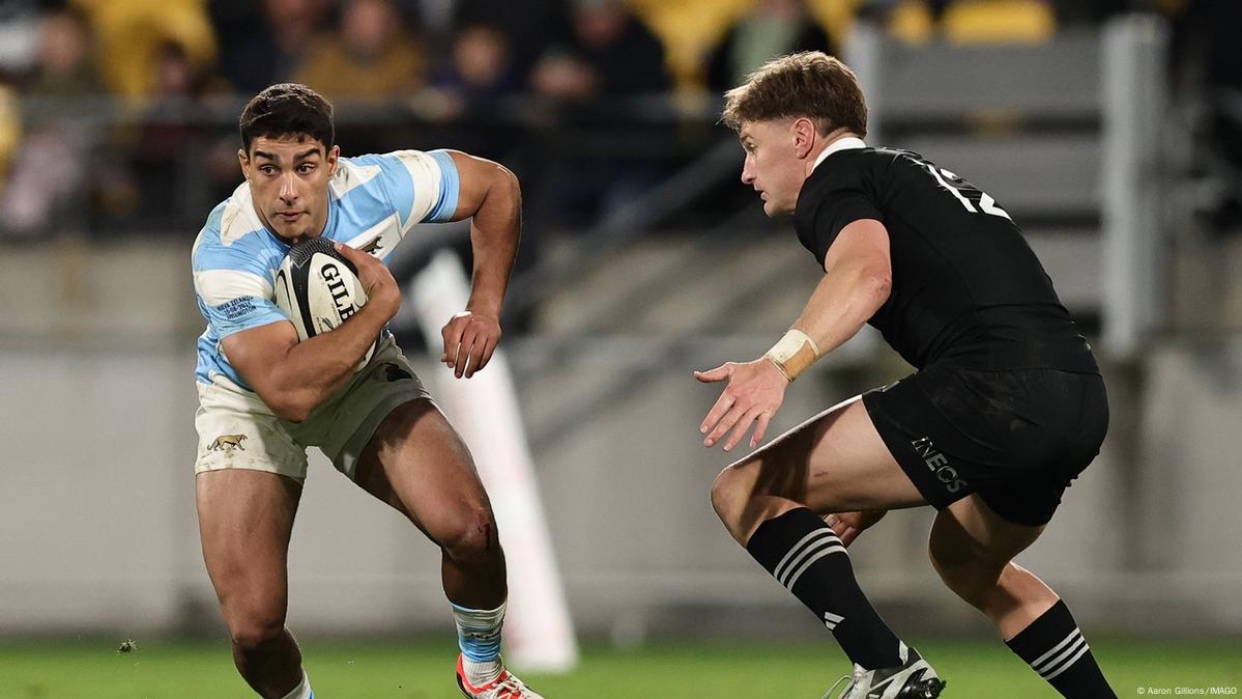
[
  {"x": 914, "y": 679},
  {"x": 506, "y": 686}
]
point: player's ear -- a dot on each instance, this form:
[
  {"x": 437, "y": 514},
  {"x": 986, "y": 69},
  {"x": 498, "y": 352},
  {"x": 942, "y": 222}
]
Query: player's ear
[
  {"x": 804, "y": 136},
  {"x": 334, "y": 157},
  {"x": 243, "y": 159}
]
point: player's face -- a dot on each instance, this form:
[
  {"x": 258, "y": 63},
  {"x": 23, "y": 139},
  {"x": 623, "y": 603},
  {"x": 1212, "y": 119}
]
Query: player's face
[
  {"x": 289, "y": 184},
  {"x": 772, "y": 164}
]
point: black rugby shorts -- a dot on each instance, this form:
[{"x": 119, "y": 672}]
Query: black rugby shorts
[{"x": 1017, "y": 437}]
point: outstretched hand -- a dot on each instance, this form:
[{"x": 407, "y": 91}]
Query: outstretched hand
[
  {"x": 848, "y": 525},
  {"x": 469, "y": 341},
  {"x": 752, "y": 395}
]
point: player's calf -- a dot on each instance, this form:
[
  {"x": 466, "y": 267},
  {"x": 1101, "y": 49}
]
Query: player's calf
[
  {"x": 302, "y": 691},
  {"x": 1051, "y": 644},
  {"x": 805, "y": 556},
  {"x": 974, "y": 582},
  {"x": 270, "y": 662}
]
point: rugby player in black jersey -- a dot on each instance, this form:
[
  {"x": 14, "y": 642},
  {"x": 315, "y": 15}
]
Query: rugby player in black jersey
[{"x": 1006, "y": 408}]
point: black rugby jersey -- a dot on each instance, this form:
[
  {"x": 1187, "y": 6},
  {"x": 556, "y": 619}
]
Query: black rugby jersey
[{"x": 966, "y": 286}]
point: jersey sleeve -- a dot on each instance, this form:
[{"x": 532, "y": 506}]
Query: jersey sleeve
[
  {"x": 424, "y": 186},
  {"x": 234, "y": 289},
  {"x": 835, "y": 202}
]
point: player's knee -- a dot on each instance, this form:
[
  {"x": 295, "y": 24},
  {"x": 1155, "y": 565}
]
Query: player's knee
[
  {"x": 471, "y": 535},
  {"x": 256, "y": 630},
  {"x": 727, "y": 498},
  {"x": 732, "y": 492}
]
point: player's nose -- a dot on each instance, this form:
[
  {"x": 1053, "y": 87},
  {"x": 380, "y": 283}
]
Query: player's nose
[{"x": 287, "y": 188}]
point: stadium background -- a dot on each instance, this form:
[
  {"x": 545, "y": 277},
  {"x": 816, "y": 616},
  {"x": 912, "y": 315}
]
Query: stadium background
[{"x": 1110, "y": 129}]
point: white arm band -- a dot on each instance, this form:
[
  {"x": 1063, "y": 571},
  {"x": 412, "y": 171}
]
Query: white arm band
[{"x": 793, "y": 354}]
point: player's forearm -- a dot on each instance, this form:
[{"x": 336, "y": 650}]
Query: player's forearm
[
  {"x": 842, "y": 303},
  {"x": 315, "y": 370},
  {"x": 494, "y": 234}
]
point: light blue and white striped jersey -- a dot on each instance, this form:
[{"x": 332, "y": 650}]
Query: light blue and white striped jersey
[{"x": 235, "y": 257}]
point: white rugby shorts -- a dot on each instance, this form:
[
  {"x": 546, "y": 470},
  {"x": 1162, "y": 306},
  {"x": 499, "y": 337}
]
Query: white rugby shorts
[{"x": 237, "y": 430}]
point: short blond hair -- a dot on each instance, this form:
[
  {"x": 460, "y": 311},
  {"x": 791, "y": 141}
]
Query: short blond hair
[{"x": 809, "y": 84}]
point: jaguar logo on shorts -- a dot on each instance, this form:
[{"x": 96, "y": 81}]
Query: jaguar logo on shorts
[
  {"x": 938, "y": 464},
  {"x": 228, "y": 442},
  {"x": 396, "y": 373}
]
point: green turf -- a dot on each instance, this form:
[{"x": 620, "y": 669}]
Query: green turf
[{"x": 419, "y": 670}]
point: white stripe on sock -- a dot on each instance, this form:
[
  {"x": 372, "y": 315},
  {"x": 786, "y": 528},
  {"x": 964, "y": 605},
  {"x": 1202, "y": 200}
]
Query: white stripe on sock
[
  {"x": 793, "y": 551},
  {"x": 1056, "y": 662},
  {"x": 1038, "y": 663},
  {"x": 793, "y": 579},
  {"x": 807, "y": 551},
  {"x": 828, "y": 539},
  {"x": 1068, "y": 663}
]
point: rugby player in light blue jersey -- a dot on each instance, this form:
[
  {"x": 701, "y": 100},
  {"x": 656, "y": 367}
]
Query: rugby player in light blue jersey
[{"x": 264, "y": 398}]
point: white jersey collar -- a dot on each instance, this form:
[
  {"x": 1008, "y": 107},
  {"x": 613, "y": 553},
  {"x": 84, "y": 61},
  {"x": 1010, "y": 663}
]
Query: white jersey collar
[{"x": 843, "y": 143}]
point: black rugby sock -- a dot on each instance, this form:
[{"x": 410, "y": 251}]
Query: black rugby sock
[
  {"x": 808, "y": 558},
  {"x": 1054, "y": 647}
]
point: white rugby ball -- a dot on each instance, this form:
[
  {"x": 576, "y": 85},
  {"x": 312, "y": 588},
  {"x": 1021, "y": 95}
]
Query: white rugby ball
[{"x": 318, "y": 289}]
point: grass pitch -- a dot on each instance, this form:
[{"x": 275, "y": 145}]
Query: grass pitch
[{"x": 424, "y": 670}]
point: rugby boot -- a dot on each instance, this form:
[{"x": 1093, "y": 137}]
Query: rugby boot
[
  {"x": 504, "y": 687},
  {"x": 914, "y": 679}
]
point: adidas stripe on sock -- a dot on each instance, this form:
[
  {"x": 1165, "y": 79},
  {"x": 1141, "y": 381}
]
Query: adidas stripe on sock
[
  {"x": 1055, "y": 648},
  {"x": 807, "y": 557}
]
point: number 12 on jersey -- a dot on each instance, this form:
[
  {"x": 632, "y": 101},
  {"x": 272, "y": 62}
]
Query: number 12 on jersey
[{"x": 986, "y": 203}]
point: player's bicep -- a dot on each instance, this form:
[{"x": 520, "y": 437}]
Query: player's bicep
[
  {"x": 478, "y": 178},
  {"x": 862, "y": 246},
  {"x": 256, "y": 352}
]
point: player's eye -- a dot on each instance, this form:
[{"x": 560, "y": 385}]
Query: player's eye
[
  {"x": 306, "y": 168},
  {"x": 267, "y": 169}
]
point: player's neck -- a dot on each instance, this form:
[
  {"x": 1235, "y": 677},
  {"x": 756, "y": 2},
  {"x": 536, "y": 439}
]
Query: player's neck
[{"x": 839, "y": 139}]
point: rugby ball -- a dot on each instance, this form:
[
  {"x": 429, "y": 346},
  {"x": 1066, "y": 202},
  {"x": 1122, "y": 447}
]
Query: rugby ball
[{"x": 318, "y": 289}]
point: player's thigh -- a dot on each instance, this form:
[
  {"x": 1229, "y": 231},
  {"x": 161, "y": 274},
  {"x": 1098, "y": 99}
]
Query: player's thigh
[
  {"x": 851, "y": 468},
  {"x": 969, "y": 539},
  {"x": 416, "y": 462},
  {"x": 245, "y": 522},
  {"x": 343, "y": 427},
  {"x": 834, "y": 462},
  {"x": 236, "y": 431}
]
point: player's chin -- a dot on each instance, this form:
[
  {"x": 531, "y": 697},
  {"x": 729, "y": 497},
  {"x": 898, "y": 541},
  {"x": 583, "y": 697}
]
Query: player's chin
[
  {"x": 772, "y": 209},
  {"x": 293, "y": 233}
]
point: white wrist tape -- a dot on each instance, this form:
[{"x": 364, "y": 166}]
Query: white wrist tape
[{"x": 793, "y": 354}]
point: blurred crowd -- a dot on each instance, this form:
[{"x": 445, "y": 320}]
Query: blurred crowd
[{"x": 114, "y": 112}]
